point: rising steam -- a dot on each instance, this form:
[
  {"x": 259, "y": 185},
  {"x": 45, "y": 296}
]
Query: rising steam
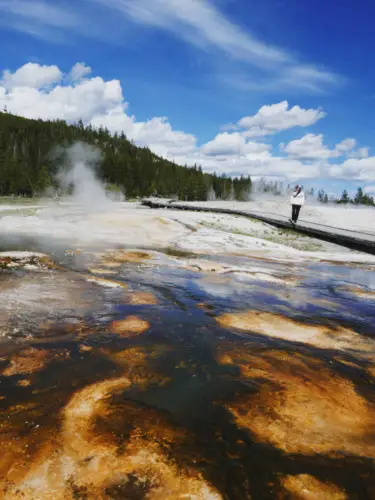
[{"x": 77, "y": 177}]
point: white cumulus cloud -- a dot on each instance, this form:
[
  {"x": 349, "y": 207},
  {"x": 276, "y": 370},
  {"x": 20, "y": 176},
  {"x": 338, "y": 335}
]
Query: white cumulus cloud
[
  {"x": 79, "y": 71},
  {"x": 83, "y": 101},
  {"x": 32, "y": 76},
  {"x": 356, "y": 169},
  {"x": 228, "y": 144},
  {"x": 37, "y": 91},
  {"x": 359, "y": 153},
  {"x": 278, "y": 117},
  {"x": 93, "y": 100},
  {"x": 312, "y": 147},
  {"x": 346, "y": 145}
]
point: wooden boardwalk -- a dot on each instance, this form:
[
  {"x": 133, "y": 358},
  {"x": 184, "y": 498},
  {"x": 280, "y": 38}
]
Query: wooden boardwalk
[{"x": 363, "y": 241}]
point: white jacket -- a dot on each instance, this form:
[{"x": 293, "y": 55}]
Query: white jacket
[{"x": 298, "y": 199}]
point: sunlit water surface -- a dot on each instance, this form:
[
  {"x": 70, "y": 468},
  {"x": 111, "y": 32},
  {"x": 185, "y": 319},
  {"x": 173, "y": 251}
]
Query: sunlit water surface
[{"x": 207, "y": 389}]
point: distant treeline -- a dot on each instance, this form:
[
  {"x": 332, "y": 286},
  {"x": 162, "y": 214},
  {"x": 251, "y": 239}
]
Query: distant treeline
[
  {"x": 359, "y": 199},
  {"x": 277, "y": 188},
  {"x": 28, "y": 167}
]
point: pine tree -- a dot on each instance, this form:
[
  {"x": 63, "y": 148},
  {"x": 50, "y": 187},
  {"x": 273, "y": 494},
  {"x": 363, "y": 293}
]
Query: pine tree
[
  {"x": 32, "y": 151},
  {"x": 345, "y": 197},
  {"x": 321, "y": 195},
  {"x": 359, "y": 197}
]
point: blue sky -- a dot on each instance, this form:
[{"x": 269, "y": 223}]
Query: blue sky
[{"x": 201, "y": 65}]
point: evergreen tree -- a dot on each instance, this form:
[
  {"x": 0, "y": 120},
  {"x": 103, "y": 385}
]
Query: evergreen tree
[
  {"x": 321, "y": 195},
  {"x": 368, "y": 200},
  {"x": 359, "y": 197},
  {"x": 345, "y": 197},
  {"x": 31, "y": 152}
]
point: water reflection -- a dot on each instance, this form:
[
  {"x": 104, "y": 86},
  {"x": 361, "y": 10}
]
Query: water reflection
[{"x": 174, "y": 383}]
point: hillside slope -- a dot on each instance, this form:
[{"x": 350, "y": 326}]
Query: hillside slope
[{"x": 31, "y": 154}]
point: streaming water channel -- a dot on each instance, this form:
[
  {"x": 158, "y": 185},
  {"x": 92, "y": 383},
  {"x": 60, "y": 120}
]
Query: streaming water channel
[{"x": 133, "y": 378}]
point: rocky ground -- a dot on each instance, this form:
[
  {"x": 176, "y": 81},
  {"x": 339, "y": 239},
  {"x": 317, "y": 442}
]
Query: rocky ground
[{"x": 168, "y": 355}]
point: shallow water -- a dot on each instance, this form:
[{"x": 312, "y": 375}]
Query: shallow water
[{"x": 187, "y": 399}]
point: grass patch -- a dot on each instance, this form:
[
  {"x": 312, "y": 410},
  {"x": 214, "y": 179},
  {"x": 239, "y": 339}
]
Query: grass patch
[
  {"x": 23, "y": 212},
  {"x": 212, "y": 225},
  {"x": 286, "y": 237},
  {"x": 19, "y": 201}
]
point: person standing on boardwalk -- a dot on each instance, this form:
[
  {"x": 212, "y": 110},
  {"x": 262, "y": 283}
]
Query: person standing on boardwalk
[{"x": 297, "y": 201}]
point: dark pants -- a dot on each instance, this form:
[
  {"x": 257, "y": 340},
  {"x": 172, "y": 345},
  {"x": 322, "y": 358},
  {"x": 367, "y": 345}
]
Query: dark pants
[{"x": 295, "y": 212}]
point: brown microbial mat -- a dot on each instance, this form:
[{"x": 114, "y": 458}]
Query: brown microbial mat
[{"x": 166, "y": 383}]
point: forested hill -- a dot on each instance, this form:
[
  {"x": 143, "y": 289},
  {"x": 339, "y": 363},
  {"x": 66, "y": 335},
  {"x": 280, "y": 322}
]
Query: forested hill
[{"x": 28, "y": 167}]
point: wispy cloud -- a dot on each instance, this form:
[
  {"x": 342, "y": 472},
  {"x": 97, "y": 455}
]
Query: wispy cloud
[
  {"x": 58, "y": 21},
  {"x": 288, "y": 79},
  {"x": 200, "y": 23},
  {"x": 259, "y": 66},
  {"x": 44, "y": 13},
  {"x": 308, "y": 77},
  {"x": 39, "y": 19}
]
